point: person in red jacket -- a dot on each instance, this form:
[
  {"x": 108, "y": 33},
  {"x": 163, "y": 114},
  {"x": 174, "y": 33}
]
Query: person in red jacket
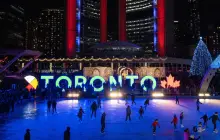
[
  {"x": 174, "y": 121},
  {"x": 154, "y": 125}
]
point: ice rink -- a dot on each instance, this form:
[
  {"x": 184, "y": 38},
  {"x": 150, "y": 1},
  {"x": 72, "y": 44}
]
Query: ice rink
[{"x": 48, "y": 126}]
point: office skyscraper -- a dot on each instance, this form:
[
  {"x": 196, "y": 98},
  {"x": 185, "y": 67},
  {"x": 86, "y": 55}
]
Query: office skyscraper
[
  {"x": 12, "y": 27},
  {"x": 46, "y": 33}
]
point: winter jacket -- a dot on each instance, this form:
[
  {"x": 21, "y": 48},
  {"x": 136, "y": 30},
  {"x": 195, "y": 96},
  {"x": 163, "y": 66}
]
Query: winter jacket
[
  {"x": 128, "y": 110},
  {"x": 175, "y": 120},
  {"x": 80, "y": 113},
  {"x": 205, "y": 118},
  {"x": 103, "y": 119},
  {"x": 154, "y": 124},
  {"x": 186, "y": 135},
  {"x": 141, "y": 111},
  {"x": 181, "y": 116},
  {"x": 66, "y": 135},
  {"x": 214, "y": 118}
]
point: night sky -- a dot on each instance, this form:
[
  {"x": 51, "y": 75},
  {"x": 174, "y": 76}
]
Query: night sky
[{"x": 209, "y": 8}]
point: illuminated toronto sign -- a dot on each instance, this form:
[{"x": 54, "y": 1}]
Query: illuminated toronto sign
[{"x": 80, "y": 81}]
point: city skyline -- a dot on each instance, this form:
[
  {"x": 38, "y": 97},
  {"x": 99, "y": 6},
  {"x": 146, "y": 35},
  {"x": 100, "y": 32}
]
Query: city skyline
[{"x": 197, "y": 25}]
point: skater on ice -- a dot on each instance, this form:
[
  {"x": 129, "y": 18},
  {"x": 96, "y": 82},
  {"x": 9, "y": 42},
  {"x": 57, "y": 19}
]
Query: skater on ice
[
  {"x": 128, "y": 113},
  {"x": 205, "y": 120},
  {"x": 141, "y": 112},
  {"x": 174, "y": 121},
  {"x": 80, "y": 114},
  {"x": 181, "y": 119},
  {"x": 94, "y": 109},
  {"x": 155, "y": 124},
  {"x": 215, "y": 118}
]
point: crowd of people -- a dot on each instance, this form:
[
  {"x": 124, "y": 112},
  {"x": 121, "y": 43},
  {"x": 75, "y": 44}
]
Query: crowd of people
[
  {"x": 95, "y": 105},
  {"x": 8, "y": 99}
]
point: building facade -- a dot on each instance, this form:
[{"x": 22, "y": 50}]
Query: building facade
[
  {"x": 213, "y": 40},
  {"x": 47, "y": 33},
  {"x": 140, "y": 23},
  {"x": 90, "y": 24},
  {"x": 143, "y": 22},
  {"x": 12, "y": 27}
]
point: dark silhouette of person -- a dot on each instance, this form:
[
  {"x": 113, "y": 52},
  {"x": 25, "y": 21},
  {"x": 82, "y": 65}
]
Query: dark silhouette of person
[
  {"x": 141, "y": 112},
  {"x": 146, "y": 103},
  {"x": 205, "y": 120},
  {"x": 214, "y": 120},
  {"x": 133, "y": 99},
  {"x": 94, "y": 108},
  {"x": 49, "y": 105},
  {"x": 80, "y": 114},
  {"x": 54, "y": 106},
  {"x": 67, "y": 133},
  {"x": 27, "y": 135},
  {"x": 177, "y": 100},
  {"x": 197, "y": 104},
  {"x": 128, "y": 113},
  {"x": 103, "y": 122}
]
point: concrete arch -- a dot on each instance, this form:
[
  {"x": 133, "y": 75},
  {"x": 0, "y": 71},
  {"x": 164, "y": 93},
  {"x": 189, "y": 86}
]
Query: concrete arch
[{"x": 209, "y": 75}]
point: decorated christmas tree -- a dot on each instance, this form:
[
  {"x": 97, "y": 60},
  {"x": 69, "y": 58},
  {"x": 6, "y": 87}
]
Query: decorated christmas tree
[{"x": 201, "y": 60}]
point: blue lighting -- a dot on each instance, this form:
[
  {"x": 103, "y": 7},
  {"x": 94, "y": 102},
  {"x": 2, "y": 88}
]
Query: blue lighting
[
  {"x": 155, "y": 24},
  {"x": 78, "y": 25}
]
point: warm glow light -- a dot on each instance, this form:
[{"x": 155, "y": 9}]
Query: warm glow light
[
  {"x": 158, "y": 94},
  {"x": 73, "y": 95},
  {"x": 115, "y": 95},
  {"x": 204, "y": 94},
  {"x": 170, "y": 82}
]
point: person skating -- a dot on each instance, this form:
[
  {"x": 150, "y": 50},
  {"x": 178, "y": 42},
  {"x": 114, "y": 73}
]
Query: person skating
[
  {"x": 199, "y": 128},
  {"x": 103, "y": 122},
  {"x": 80, "y": 114},
  {"x": 94, "y": 109},
  {"x": 54, "y": 106},
  {"x": 205, "y": 120},
  {"x": 99, "y": 101},
  {"x": 174, "y": 121},
  {"x": 27, "y": 135},
  {"x": 197, "y": 104},
  {"x": 181, "y": 119},
  {"x": 186, "y": 134},
  {"x": 146, "y": 103},
  {"x": 128, "y": 113},
  {"x": 154, "y": 125},
  {"x": 214, "y": 121},
  {"x": 133, "y": 99},
  {"x": 141, "y": 112},
  {"x": 49, "y": 105},
  {"x": 67, "y": 133},
  {"x": 177, "y": 100}
]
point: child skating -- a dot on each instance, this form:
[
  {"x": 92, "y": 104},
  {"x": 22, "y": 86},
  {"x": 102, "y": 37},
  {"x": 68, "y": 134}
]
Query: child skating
[
  {"x": 141, "y": 112},
  {"x": 80, "y": 114},
  {"x": 154, "y": 125},
  {"x": 174, "y": 121}
]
